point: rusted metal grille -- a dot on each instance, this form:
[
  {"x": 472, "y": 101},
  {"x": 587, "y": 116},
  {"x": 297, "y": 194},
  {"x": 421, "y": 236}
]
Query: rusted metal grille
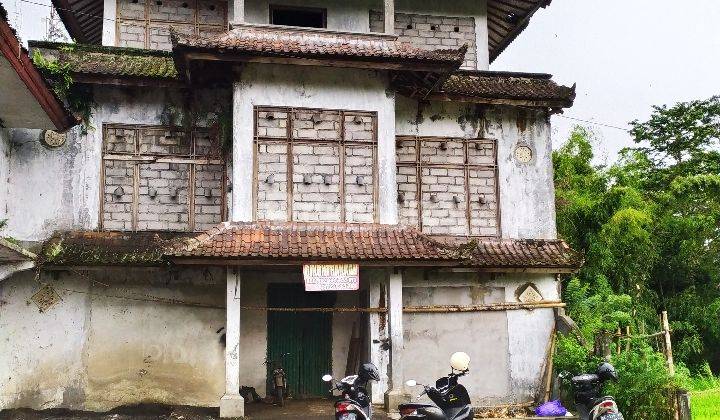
[
  {"x": 315, "y": 165},
  {"x": 159, "y": 178},
  {"x": 448, "y": 185}
]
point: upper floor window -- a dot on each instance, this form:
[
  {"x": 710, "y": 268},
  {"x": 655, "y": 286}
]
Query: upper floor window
[
  {"x": 315, "y": 165},
  {"x": 307, "y": 17},
  {"x": 146, "y": 23},
  {"x": 158, "y": 178},
  {"x": 448, "y": 186}
]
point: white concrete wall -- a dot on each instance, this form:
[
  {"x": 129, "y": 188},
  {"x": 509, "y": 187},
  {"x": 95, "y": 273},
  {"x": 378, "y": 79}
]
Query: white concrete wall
[
  {"x": 527, "y": 191},
  {"x": 93, "y": 351},
  {"x": 59, "y": 188},
  {"x": 507, "y": 349},
  {"x": 4, "y": 172},
  {"x": 313, "y": 87}
]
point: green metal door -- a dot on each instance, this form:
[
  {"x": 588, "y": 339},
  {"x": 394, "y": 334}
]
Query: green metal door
[{"x": 307, "y": 336}]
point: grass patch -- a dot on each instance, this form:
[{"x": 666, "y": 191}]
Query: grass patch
[{"x": 705, "y": 405}]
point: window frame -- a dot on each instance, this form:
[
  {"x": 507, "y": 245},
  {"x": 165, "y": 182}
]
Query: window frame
[
  {"x": 418, "y": 164},
  {"x": 138, "y": 157},
  {"x": 289, "y": 141}
]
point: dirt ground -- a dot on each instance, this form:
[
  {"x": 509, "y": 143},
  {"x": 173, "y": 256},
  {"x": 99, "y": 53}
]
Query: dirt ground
[{"x": 305, "y": 409}]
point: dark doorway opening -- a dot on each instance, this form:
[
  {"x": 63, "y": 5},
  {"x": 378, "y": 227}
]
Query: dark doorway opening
[
  {"x": 307, "y": 17},
  {"x": 306, "y": 336}
]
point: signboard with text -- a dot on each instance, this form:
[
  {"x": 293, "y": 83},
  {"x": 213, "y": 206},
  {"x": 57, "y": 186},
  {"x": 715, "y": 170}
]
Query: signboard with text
[{"x": 327, "y": 277}]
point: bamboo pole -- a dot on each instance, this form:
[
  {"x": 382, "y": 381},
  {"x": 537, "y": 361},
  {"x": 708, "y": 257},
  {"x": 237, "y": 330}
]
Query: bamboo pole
[{"x": 668, "y": 343}]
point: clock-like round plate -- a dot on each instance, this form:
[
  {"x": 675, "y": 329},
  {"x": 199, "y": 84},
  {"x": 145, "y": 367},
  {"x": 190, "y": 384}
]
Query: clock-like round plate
[
  {"x": 52, "y": 138},
  {"x": 523, "y": 154}
]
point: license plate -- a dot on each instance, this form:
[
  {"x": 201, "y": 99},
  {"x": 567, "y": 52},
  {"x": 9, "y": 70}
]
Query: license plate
[
  {"x": 348, "y": 416},
  {"x": 612, "y": 416}
]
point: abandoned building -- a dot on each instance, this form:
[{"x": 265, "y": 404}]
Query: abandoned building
[{"x": 231, "y": 156}]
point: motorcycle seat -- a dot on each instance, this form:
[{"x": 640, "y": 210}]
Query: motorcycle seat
[{"x": 585, "y": 379}]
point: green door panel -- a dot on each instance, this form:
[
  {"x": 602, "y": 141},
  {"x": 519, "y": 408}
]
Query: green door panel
[{"x": 307, "y": 336}]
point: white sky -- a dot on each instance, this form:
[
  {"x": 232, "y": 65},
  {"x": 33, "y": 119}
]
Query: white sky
[{"x": 624, "y": 55}]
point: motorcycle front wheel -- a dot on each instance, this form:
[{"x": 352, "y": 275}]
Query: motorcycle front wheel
[{"x": 280, "y": 397}]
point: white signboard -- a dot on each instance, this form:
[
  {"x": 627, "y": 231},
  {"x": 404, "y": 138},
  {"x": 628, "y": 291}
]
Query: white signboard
[{"x": 323, "y": 277}]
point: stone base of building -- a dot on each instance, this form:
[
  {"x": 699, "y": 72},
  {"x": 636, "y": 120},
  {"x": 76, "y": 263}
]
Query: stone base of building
[{"x": 232, "y": 406}]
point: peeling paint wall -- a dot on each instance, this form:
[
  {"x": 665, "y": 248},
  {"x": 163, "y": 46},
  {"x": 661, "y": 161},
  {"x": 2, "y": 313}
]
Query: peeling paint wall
[
  {"x": 312, "y": 87},
  {"x": 59, "y": 188},
  {"x": 4, "y": 171},
  {"x": 507, "y": 348},
  {"x": 527, "y": 192},
  {"x": 92, "y": 351}
]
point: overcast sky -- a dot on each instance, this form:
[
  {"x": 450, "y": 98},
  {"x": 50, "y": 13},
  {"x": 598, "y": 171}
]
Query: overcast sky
[{"x": 624, "y": 55}]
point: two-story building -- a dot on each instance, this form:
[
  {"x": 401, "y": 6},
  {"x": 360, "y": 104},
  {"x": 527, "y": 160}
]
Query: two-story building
[{"x": 230, "y": 151}]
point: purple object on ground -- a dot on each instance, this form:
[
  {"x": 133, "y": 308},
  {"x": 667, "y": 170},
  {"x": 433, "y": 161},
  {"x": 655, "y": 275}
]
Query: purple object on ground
[{"x": 551, "y": 409}]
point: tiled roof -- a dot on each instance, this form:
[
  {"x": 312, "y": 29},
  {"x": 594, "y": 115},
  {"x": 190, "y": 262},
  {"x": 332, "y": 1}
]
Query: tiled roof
[
  {"x": 358, "y": 242},
  {"x": 508, "y": 86},
  {"x": 274, "y": 41},
  {"x": 326, "y": 241},
  {"x": 111, "y": 61},
  {"x": 506, "y": 19},
  {"x": 91, "y": 248}
]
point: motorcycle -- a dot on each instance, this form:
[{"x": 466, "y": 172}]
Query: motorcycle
[
  {"x": 451, "y": 399},
  {"x": 587, "y": 389},
  {"x": 279, "y": 379},
  {"x": 354, "y": 402}
]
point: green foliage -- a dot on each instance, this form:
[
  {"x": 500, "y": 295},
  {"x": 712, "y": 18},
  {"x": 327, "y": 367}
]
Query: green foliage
[
  {"x": 79, "y": 98},
  {"x": 57, "y": 73},
  {"x": 649, "y": 227},
  {"x": 645, "y": 387}
]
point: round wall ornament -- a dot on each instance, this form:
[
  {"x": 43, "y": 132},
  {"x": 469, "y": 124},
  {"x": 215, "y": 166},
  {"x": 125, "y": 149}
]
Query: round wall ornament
[
  {"x": 523, "y": 153},
  {"x": 52, "y": 138}
]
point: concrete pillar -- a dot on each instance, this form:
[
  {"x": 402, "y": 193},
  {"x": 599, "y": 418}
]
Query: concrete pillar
[
  {"x": 238, "y": 11},
  {"x": 378, "y": 351},
  {"x": 389, "y": 14},
  {"x": 396, "y": 394},
  {"x": 108, "y": 24},
  {"x": 232, "y": 404},
  {"x": 243, "y": 151}
]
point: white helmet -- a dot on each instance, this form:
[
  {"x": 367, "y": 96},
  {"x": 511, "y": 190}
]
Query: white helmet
[{"x": 460, "y": 361}]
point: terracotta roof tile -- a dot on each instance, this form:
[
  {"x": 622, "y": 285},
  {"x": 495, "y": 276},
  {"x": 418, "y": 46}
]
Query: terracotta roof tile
[
  {"x": 506, "y": 85},
  {"x": 357, "y": 242},
  {"x": 274, "y": 41}
]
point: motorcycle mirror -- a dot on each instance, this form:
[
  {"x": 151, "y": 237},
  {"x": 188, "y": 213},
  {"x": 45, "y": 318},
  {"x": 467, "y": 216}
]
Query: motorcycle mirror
[
  {"x": 327, "y": 378},
  {"x": 411, "y": 383}
]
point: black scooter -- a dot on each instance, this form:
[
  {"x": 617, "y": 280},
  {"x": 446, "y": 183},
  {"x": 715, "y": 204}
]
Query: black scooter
[
  {"x": 354, "y": 402},
  {"x": 451, "y": 399},
  {"x": 590, "y": 403}
]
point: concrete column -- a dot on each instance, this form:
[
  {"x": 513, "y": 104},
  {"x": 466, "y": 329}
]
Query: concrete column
[
  {"x": 232, "y": 404},
  {"x": 243, "y": 151},
  {"x": 238, "y": 11},
  {"x": 108, "y": 23},
  {"x": 396, "y": 394},
  {"x": 378, "y": 351},
  {"x": 389, "y": 14}
]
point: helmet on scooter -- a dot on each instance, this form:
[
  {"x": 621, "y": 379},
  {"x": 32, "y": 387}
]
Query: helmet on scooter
[
  {"x": 607, "y": 372},
  {"x": 368, "y": 372},
  {"x": 460, "y": 361}
]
